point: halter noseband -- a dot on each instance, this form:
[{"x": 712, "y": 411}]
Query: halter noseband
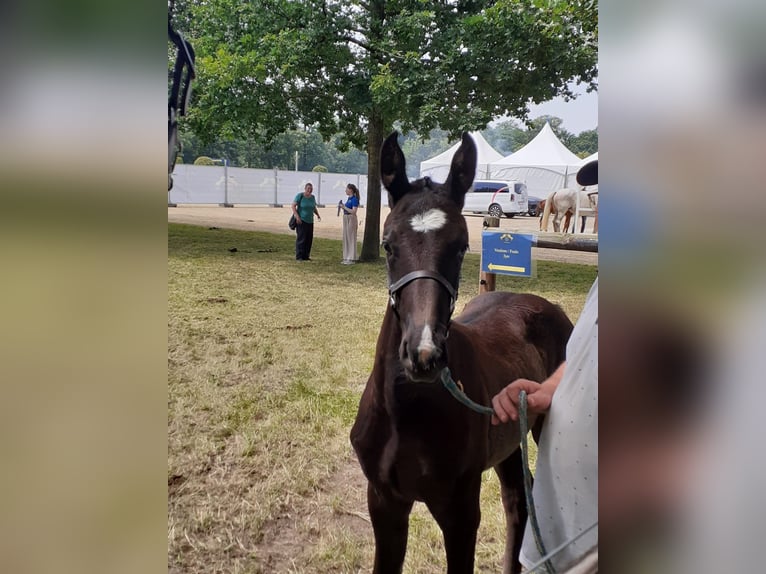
[{"x": 394, "y": 288}]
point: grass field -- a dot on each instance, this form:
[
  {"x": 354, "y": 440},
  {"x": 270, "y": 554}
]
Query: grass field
[{"x": 267, "y": 358}]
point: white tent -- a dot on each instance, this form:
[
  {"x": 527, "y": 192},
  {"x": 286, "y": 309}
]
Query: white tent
[
  {"x": 437, "y": 168},
  {"x": 544, "y": 164}
]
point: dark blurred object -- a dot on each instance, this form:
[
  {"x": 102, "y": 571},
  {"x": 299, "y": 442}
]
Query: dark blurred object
[
  {"x": 180, "y": 92},
  {"x": 490, "y": 221},
  {"x": 533, "y": 202},
  {"x": 588, "y": 174}
]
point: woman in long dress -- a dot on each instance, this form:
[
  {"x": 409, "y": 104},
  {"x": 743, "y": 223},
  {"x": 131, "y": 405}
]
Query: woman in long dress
[{"x": 350, "y": 224}]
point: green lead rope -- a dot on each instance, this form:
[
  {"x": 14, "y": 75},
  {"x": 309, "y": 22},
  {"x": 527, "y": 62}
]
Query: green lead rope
[
  {"x": 461, "y": 396},
  {"x": 457, "y": 392}
]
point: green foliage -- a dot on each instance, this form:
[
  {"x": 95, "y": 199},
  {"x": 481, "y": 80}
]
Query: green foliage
[
  {"x": 203, "y": 160},
  {"x": 585, "y": 143},
  {"x": 266, "y": 63},
  {"x": 416, "y": 151},
  {"x": 280, "y": 153},
  {"x": 320, "y": 168}
]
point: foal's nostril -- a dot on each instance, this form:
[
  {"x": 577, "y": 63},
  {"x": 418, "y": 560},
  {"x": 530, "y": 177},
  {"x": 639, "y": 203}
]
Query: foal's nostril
[
  {"x": 404, "y": 353},
  {"x": 426, "y": 358}
]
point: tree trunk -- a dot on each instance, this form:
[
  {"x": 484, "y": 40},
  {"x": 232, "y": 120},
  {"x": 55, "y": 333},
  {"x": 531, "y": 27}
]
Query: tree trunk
[{"x": 371, "y": 241}]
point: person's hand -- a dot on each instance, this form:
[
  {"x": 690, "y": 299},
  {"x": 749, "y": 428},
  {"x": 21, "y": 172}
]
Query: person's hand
[
  {"x": 319, "y": 217},
  {"x": 506, "y": 402},
  {"x": 298, "y": 219}
]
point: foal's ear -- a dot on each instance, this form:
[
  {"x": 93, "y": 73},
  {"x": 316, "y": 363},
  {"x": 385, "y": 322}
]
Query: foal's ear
[
  {"x": 392, "y": 169},
  {"x": 462, "y": 170}
]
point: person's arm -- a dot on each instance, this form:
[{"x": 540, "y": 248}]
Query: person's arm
[
  {"x": 316, "y": 211},
  {"x": 350, "y": 210},
  {"x": 539, "y": 397},
  {"x": 295, "y": 212}
]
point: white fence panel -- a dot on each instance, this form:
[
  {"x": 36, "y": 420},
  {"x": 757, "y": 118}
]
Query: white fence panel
[
  {"x": 251, "y": 186},
  {"x": 244, "y": 186},
  {"x": 196, "y": 184}
]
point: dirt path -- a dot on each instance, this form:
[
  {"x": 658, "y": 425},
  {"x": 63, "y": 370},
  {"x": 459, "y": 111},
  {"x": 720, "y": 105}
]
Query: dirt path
[{"x": 274, "y": 220}]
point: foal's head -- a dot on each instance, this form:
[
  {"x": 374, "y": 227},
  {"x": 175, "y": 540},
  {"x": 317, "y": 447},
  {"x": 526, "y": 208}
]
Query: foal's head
[{"x": 425, "y": 238}]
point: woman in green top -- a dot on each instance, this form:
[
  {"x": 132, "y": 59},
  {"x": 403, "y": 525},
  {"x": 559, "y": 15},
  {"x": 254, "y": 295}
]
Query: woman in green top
[{"x": 304, "y": 207}]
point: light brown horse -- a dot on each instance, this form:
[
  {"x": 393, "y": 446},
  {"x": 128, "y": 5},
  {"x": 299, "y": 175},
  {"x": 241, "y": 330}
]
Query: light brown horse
[{"x": 414, "y": 441}]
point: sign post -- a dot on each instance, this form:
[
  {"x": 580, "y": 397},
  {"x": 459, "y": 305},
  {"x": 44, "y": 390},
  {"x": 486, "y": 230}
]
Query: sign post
[{"x": 504, "y": 253}]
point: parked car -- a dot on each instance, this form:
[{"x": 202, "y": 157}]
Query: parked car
[
  {"x": 497, "y": 198},
  {"x": 534, "y": 204}
]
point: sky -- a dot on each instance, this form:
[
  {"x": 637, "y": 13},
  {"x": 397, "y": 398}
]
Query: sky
[{"x": 578, "y": 115}]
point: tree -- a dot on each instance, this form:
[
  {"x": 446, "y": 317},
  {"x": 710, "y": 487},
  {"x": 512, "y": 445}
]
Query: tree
[
  {"x": 506, "y": 137},
  {"x": 585, "y": 143},
  {"x": 356, "y": 67},
  {"x": 417, "y": 151}
]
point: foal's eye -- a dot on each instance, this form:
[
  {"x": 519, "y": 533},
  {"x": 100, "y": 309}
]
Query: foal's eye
[{"x": 386, "y": 247}]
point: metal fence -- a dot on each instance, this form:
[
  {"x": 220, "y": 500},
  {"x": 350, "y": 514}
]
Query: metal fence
[{"x": 238, "y": 185}]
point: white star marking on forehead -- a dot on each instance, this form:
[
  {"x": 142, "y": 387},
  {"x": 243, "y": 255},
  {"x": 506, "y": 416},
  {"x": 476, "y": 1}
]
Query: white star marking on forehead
[{"x": 431, "y": 220}]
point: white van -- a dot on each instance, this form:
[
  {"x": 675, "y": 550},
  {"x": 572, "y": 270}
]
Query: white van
[{"x": 497, "y": 198}]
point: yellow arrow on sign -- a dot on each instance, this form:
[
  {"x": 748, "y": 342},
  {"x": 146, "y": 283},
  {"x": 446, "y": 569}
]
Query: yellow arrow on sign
[{"x": 492, "y": 267}]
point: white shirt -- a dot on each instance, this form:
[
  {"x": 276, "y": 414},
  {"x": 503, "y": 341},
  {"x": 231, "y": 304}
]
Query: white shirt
[{"x": 566, "y": 479}]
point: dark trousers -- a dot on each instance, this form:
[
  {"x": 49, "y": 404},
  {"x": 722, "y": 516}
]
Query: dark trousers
[{"x": 304, "y": 240}]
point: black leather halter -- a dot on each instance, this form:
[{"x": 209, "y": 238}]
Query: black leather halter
[{"x": 394, "y": 288}]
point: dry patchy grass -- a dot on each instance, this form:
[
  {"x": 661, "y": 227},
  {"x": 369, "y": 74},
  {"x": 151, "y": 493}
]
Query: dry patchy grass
[{"x": 267, "y": 358}]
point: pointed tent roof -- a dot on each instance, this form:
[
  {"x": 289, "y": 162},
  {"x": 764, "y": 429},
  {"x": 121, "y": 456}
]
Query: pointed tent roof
[
  {"x": 544, "y": 164},
  {"x": 545, "y": 149},
  {"x": 437, "y": 168}
]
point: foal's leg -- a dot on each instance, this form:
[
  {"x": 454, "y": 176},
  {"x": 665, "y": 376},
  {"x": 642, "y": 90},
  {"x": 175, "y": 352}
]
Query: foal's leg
[
  {"x": 390, "y": 519},
  {"x": 511, "y": 475},
  {"x": 458, "y": 515}
]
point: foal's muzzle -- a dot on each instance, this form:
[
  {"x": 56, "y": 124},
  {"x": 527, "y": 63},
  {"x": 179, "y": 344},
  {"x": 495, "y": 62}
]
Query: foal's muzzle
[{"x": 422, "y": 353}]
